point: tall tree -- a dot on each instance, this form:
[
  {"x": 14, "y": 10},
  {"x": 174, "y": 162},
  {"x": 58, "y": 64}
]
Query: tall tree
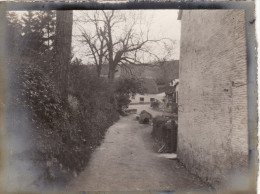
[
  {"x": 117, "y": 40},
  {"x": 96, "y": 42},
  {"x": 47, "y": 23},
  {"x": 13, "y": 34},
  {"x": 37, "y": 31},
  {"x": 32, "y": 36},
  {"x": 63, "y": 48}
]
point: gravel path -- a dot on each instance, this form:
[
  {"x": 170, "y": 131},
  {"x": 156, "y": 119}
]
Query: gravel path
[{"x": 125, "y": 162}]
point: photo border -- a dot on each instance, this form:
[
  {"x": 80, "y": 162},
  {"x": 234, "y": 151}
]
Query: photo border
[{"x": 251, "y": 44}]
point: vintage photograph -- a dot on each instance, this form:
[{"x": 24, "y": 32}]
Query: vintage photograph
[{"x": 126, "y": 100}]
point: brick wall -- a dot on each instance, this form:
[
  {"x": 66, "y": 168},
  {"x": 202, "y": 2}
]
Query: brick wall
[{"x": 213, "y": 132}]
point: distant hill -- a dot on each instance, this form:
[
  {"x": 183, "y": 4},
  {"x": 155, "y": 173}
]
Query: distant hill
[
  {"x": 150, "y": 85},
  {"x": 168, "y": 70},
  {"x": 156, "y": 77}
]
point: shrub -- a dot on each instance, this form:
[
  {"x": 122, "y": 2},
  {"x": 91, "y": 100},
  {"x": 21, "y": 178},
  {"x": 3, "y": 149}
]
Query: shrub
[
  {"x": 145, "y": 117},
  {"x": 155, "y": 104},
  {"x": 64, "y": 136},
  {"x": 124, "y": 89},
  {"x": 165, "y": 133}
]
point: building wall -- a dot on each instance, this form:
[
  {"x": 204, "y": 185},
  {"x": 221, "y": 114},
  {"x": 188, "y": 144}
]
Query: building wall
[
  {"x": 147, "y": 97},
  {"x": 213, "y": 131}
]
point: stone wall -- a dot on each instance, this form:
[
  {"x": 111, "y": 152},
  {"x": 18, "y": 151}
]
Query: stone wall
[{"x": 213, "y": 131}]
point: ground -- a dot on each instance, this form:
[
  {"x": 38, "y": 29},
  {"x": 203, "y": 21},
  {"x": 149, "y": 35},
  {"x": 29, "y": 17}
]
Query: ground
[{"x": 125, "y": 161}]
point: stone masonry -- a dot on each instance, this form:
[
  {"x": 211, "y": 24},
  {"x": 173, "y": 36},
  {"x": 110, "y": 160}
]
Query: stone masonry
[{"x": 213, "y": 116}]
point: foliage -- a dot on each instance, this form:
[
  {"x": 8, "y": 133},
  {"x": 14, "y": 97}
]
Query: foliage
[
  {"x": 129, "y": 86},
  {"x": 165, "y": 133},
  {"x": 52, "y": 130},
  {"x": 64, "y": 136},
  {"x": 126, "y": 88},
  {"x": 95, "y": 96},
  {"x": 38, "y": 32},
  {"x": 155, "y": 104},
  {"x": 76, "y": 61},
  {"x": 145, "y": 117}
]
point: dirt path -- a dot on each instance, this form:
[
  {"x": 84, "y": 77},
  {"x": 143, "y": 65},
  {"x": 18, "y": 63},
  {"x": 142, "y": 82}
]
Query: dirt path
[{"x": 125, "y": 162}]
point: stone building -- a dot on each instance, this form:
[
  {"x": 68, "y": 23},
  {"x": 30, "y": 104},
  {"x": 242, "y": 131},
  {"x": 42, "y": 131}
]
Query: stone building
[{"x": 213, "y": 116}]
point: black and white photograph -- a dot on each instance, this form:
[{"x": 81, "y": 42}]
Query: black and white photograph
[{"x": 143, "y": 98}]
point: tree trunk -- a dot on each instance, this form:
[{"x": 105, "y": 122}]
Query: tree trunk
[
  {"x": 63, "y": 48},
  {"x": 111, "y": 73},
  {"x": 98, "y": 70},
  {"x": 48, "y": 35}
]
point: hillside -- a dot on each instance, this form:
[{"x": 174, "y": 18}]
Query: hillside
[
  {"x": 168, "y": 70},
  {"x": 155, "y": 76},
  {"x": 160, "y": 74}
]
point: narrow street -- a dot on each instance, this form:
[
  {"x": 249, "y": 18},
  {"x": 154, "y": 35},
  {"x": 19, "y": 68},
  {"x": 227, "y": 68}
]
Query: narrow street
[{"x": 125, "y": 162}]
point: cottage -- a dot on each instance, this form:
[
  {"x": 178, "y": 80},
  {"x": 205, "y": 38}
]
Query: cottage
[{"x": 147, "y": 98}]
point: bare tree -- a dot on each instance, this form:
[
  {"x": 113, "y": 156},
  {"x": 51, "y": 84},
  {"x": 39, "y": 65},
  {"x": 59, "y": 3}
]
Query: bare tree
[
  {"x": 96, "y": 41},
  {"x": 63, "y": 48},
  {"x": 116, "y": 40}
]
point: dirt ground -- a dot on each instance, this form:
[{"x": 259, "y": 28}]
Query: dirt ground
[{"x": 125, "y": 162}]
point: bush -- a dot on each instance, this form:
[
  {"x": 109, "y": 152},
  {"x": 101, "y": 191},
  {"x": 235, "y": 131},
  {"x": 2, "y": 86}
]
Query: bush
[
  {"x": 155, "y": 104},
  {"x": 124, "y": 89},
  {"x": 64, "y": 136},
  {"x": 165, "y": 133},
  {"x": 145, "y": 117}
]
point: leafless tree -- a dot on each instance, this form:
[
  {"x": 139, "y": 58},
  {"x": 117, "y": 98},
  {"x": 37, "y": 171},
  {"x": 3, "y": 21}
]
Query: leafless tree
[
  {"x": 94, "y": 40},
  {"x": 116, "y": 41}
]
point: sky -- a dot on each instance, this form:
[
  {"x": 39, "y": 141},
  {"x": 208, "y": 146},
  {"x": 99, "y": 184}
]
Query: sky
[{"x": 162, "y": 24}]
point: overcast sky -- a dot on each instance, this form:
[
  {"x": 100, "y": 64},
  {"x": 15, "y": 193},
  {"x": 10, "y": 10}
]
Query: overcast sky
[{"x": 162, "y": 24}]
